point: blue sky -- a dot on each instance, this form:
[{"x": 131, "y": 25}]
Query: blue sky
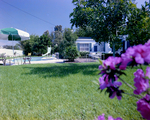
[{"x": 27, "y": 14}]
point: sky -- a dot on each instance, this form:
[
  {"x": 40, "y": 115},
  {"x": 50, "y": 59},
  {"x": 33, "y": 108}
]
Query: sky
[{"x": 37, "y": 16}]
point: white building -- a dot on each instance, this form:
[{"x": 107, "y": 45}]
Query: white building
[{"x": 87, "y": 44}]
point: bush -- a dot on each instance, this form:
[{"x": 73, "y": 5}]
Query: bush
[
  {"x": 71, "y": 53},
  {"x": 83, "y": 54}
]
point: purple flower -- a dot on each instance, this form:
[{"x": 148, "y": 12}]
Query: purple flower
[
  {"x": 105, "y": 82},
  {"x": 112, "y": 62},
  {"x": 143, "y": 106},
  {"x": 115, "y": 92},
  {"x": 127, "y": 57},
  {"x": 141, "y": 83},
  {"x": 138, "y": 54},
  {"x": 147, "y": 72},
  {"x": 101, "y": 117},
  {"x": 142, "y": 54},
  {"x": 102, "y": 69}
]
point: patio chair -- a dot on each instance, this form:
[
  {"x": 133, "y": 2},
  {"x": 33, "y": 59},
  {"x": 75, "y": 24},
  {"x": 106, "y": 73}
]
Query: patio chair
[
  {"x": 27, "y": 58},
  {"x": 3, "y": 58}
]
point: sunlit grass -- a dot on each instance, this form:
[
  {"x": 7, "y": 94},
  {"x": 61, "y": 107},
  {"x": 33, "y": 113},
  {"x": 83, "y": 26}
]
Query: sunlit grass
[{"x": 60, "y": 91}]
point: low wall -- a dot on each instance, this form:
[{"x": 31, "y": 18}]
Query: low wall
[{"x": 9, "y": 52}]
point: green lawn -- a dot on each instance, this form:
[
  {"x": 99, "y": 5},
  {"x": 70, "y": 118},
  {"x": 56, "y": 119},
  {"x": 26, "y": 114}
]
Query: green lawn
[{"x": 59, "y": 91}]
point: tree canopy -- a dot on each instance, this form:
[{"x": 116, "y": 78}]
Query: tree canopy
[
  {"x": 36, "y": 45},
  {"x": 106, "y": 18},
  {"x": 69, "y": 39},
  {"x": 138, "y": 27},
  {"x": 86, "y": 32}
]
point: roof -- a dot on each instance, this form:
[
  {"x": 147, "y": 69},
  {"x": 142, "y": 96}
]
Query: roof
[{"x": 85, "y": 38}]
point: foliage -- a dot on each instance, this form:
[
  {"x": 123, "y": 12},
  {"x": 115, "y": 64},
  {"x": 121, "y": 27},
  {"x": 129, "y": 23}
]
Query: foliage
[
  {"x": 28, "y": 44},
  {"x": 41, "y": 44},
  {"x": 36, "y": 45},
  {"x": 105, "y": 18},
  {"x": 58, "y": 28},
  {"x": 138, "y": 27},
  {"x": 83, "y": 54},
  {"x": 69, "y": 39},
  {"x": 87, "y": 32},
  {"x": 118, "y": 44},
  {"x": 16, "y": 47},
  {"x": 58, "y": 38},
  {"x": 71, "y": 53}
]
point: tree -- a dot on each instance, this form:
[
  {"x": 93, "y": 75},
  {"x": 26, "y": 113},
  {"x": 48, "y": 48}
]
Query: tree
[
  {"x": 58, "y": 28},
  {"x": 87, "y": 32},
  {"x": 17, "y": 46},
  {"x": 27, "y": 45},
  {"x": 41, "y": 44},
  {"x": 57, "y": 37},
  {"x": 36, "y": 45},
  {"x": 71, "y": 53},
  {"x": 69, "y": 39},
  {"x": 138, "y": 27},
  {"x": 105, "y": 18}
]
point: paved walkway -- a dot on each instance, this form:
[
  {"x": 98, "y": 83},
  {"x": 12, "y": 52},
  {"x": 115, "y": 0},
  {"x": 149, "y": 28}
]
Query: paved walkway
[{"x": 81, "y": 60}]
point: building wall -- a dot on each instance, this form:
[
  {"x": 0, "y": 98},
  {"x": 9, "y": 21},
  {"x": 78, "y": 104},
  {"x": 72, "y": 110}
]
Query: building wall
[
  {"x": 103, "y": 47},
  {"x": 9, "y": 52}
]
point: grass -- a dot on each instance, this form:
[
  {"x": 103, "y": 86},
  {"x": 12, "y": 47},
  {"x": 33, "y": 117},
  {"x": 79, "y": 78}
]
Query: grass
[{"x": 59, "y": 91}]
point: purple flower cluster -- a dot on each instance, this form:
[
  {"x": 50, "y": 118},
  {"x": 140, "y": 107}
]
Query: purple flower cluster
[
  {"x": 139, "y": 54},
  {"x": 111, "y": 69},
  {"x": 109, "y": 79},
  {"x": 143, "y": 106},
  {"x": 112, "y": 62},
  {"x": 141, "y": 83},
  {"x": 104, "y": 82},
  {"x": 112, "y": 86},
  {"x": 102, "y": 117}
]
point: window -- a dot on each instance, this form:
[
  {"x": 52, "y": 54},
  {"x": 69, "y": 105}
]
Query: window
[{"x": 84, "y": 47}]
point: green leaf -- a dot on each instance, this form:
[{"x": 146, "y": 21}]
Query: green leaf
[{"x": 100, "y": 61}]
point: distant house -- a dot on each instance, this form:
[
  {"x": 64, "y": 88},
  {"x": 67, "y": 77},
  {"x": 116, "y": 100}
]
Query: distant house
[
  {"x": 125, "y": 44},
  {"x": 87, "y": 44}
]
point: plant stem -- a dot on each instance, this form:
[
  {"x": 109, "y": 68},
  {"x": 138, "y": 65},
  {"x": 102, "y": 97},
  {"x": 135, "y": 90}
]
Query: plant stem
[
  {"x": 126, "y": 83},
  {"x": 129, "y": 85},
  {"x": 133, "y": 96},
  {"x": 141, "y": 66}
]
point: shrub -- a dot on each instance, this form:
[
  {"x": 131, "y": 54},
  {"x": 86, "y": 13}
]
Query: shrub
[
  {"x": 83, "y": 54},
  {"x": 71, "y": 53}
]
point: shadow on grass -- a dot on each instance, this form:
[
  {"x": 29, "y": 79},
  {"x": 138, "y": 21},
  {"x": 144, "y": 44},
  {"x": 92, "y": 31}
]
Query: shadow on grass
[{"x": 62, "y": 70}]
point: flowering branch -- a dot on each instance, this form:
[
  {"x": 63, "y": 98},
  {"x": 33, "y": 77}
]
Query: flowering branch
[
  {"x": 137, "y": 97},
  {"x": 111, "y": 70},
  {"x": 127, "y": 83}
]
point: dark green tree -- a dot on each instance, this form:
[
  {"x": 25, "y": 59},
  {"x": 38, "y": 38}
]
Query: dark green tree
[
  {"x": 36, "y": 45},
  {"x": 41, "y": 44},
  {"x": 71, "y": 53},
  {"x": 27, "y": 45},
  {"x": 106, "y": 18},
  {"x": 138, "y": 27},
  {"x": 57, "y": 37},
  {"x": 58, "y": 28},
  {"x": 87, "y": 32},
  {"x": 69, "y": 39}
]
